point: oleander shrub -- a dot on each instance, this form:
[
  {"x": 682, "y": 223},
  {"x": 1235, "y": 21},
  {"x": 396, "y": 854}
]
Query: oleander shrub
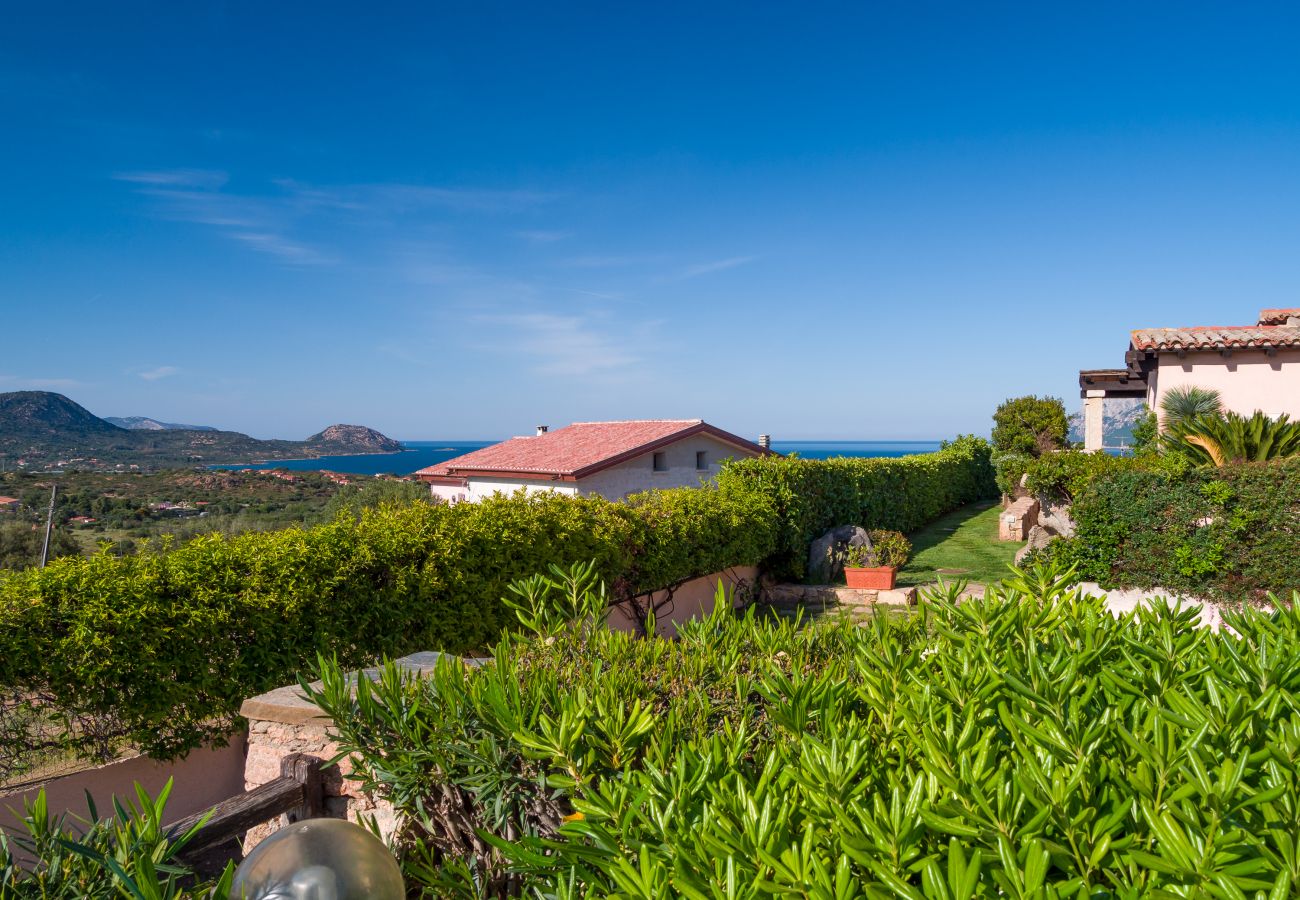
[
  {"x": 812, "y": 496},
  {"x": 128, "y": 853},
  {"x": 1229, "y": 534},
  {"x": 1026, "y": 744}
]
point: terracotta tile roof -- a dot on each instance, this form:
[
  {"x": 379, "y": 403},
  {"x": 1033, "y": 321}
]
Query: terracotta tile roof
[
  {"x": 578, "y": 449},
  {"x": 1278, "y": 316},
  {"x": 1212, "y": 338}
]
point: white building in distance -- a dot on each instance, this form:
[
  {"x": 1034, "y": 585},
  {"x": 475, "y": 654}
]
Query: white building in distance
[{"x": 609, "y": 459}]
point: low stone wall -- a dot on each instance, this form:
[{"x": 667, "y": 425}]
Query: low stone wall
[{"x": 818, "y": 597}]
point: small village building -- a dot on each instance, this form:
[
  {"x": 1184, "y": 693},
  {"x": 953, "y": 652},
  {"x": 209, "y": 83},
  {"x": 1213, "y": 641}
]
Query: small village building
[
  {"x": 1253, "y": 367},
  {"x": 609, "y": 459}
]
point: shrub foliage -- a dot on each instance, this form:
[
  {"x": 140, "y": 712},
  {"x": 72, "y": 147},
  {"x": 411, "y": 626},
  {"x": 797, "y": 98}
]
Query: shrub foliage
[
  {"x": 812, "y": 496},
  {"x": 1028, "y": 744},
  {"x": 1030, "y": 425},
  {"x": 160, "y": 648},
  {"x": 1226, "y": 534}
]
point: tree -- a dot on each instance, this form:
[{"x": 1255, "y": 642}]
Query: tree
[
  {"x": 1220, "y": 439},
  {"x": 21, "y": 542},
  {"x": 375, "y": 493},
  {"x": 1146, "y": 434},
  {"x": 1183, "y": 404},
  {"x": 1030, "y": 425}
]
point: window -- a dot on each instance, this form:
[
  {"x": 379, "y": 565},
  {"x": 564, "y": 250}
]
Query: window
[
  {"x": 660, "y": 461},
  {"x": 701, "y": 459}
]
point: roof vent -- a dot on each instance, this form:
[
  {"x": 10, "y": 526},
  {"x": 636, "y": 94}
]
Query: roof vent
[
  {"x": 542, "y": 429},
  {"x": 765, "y": 441}
]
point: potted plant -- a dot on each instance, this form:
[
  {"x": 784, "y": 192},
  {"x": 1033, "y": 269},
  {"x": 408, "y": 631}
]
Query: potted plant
[{"x": 874, "y": 568}]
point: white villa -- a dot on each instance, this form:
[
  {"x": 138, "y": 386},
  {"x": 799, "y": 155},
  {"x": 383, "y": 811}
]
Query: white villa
[
  {"x": 610, "y": 459},
  {"x": 1253, "y": 367}
]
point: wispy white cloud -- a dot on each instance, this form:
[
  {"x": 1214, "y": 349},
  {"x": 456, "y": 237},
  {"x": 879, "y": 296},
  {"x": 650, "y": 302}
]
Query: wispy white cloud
[
  {"x": 283, "y": 248},
  {"x": 563, "y": 345},
  {"x": 27, "y": 383},
  {"x": 158, "y": 372},
  {"x": 718, "y": 265},
  {"x": 272, "y": 221},
  {"x": 176, "y": 178}
]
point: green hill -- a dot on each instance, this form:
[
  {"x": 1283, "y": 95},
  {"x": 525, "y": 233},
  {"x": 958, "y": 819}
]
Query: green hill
[{"x": 43, "y": 430}]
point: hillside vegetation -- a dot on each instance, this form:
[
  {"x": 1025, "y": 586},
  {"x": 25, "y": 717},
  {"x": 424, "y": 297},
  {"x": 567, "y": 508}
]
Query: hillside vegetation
[{"x": 43, "y": 430}]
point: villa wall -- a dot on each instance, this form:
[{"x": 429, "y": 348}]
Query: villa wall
[
  {"x": 482, "y": 488},
  {"x": 638, "y": 474},
  {"x": 1248, "y": 380},
  {"x": 204, "y": 778}
]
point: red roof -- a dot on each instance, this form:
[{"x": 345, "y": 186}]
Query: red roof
[
  {"x": 1212, "y": 338},
  {"x": 579, "y": 449},
  {"x": 1278, "y": 316}
]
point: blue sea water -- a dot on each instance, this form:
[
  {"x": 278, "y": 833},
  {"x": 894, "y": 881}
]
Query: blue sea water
[{"x": 419, "y": 454}]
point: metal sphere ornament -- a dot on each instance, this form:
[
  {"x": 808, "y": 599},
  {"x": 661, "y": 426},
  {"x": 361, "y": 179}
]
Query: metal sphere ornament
[{"x": 319, "y": 859}]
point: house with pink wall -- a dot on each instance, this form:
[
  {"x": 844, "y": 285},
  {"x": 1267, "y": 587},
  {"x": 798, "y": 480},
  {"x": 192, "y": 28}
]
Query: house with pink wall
[
  {"x": 607, "y": 459},
  {"x": 1253, "y": 367}
]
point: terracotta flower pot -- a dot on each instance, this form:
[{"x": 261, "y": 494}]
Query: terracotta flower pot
[{"x": 880, "y": 578}]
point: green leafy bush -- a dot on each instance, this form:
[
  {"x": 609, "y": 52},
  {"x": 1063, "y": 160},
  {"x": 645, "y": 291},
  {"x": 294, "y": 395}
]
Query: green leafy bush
[
  {"x": 1067, "y": 474},
  {"x": 812, "y": 496},
  {"x": 128, "y": 854},
  {"x": 1226, "y": 534},
  {"x": 1030, "y": 425},
  {"x": 1027, "y": 744},
  {"x": 159, "y": 649},
  {"x": 888, "y": 548},
  {"x": 1009, "y": 468}
]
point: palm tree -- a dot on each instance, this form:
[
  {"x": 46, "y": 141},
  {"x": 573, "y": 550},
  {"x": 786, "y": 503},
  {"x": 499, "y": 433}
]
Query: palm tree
[
  {"x": 1183, "y": 404},
  {"x": 1231, "y": 438}
]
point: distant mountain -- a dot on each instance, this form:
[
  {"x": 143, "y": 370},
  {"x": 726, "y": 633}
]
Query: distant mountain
[
  {"x": 144, "y": 423},
  {"x": 41, "y": 412},
  {"x": 358, "y": 437},
  {"x": 43, "y": 430},
  {"x": 1119, "y": 415}
]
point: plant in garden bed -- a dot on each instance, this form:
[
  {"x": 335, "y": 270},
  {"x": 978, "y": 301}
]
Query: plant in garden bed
[
  {"x": 874, "y": 566},
  {"x": 1028, "y": 744},
  {"x": 128, "y": 854}
]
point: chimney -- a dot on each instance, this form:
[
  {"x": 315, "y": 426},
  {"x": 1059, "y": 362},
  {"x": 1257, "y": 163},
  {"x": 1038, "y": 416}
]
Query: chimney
[
  {"x": 542, "y": 429},
  {"x": 765, "y": 441}
]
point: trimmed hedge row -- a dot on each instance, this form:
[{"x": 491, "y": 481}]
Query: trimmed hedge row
[
  {"x": 1229, "y": 534},
  {"x": 159, "y": 649},
  {"x": 903, "y": 494}
]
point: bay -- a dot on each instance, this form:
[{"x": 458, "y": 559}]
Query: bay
[{"x": 419, "y": 454}]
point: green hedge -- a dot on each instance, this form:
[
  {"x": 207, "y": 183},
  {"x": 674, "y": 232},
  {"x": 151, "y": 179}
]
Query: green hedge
[
  {"x": 160, "y": 648},
  {"x": 1026, "y": 744},
  {"x": 902, "y": 494},
  {"x": 1230, "y": 534}
]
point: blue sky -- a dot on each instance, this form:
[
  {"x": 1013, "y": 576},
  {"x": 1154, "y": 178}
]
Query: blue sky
[{"x": 862, "y": 220}]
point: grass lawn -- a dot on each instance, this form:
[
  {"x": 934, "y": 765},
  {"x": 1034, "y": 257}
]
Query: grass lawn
[{"x": 962, "y": 544}]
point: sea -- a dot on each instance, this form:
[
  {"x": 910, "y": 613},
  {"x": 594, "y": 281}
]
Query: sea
[{"x": 419, "y": 454}]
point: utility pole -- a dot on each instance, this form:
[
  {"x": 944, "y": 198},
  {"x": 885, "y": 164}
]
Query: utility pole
[{"x": 49, "y": 525}]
